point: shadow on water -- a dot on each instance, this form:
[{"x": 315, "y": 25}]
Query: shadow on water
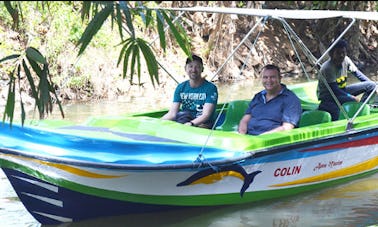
[{"x": 351, "y": 204}]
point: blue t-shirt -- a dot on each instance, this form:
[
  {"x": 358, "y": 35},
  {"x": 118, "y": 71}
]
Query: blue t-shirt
[
  {"x": 286, "y": 107},
  {"x": 193, "y": 99}
]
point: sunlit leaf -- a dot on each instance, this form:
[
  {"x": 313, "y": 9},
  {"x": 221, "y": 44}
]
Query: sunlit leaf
[
  {"x": 35, "y": 66},
  {"x": 132, "y": 66},
  {"x": 85, "y": 9},
  {"x": 126, "y": 44},
  {"x": 138, "y": 66},
  {"x": 126, "y": 59},
  {"x": 180, "y": 40},
  {"x": 148, "y": 17},
  {"x": 119, "y": 21},
  {"x": 35, "y": 55},
  {"x": 44, "y": 92},
  {"x": 142, "y": 15},
  {"x": 9, "y": 106},
  {"x": 127, "y": 13},
  {"x": 13, "y": 12},
  {"x": 13, "y": 56},
  {"x": 23, "y": 113},
  {"x": 93, "y": 27},
  {"x": 150, "y": 61},
  {"x": 30, "y": 79},
  {"x": 160, "y": 27}
]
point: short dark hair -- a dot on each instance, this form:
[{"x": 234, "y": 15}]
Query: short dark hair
[
  {"x": 340, "y": 44},
  {"x": 194, "y": 58},
  {"x": 271, "y": 66}
]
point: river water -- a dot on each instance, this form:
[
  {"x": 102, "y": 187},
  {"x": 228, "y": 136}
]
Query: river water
[{"x": 351, "y": 204}]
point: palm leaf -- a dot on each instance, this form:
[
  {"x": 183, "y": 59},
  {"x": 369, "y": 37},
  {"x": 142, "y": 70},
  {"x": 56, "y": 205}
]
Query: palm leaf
[
  {"x": 35, "y": 55},
  {"x": 35, "y": 66},
  {"x": 119, "y": 21},
  {"x": 126, "y": 59},
  {"x": 127, "y": 13},
  {"x": 150, "y": 61},
  {"x": 160, "y": 27},
  {"x": 85, "y": 9},
  {"x": 9, "y": 106},
  {"x": 126, "y": 44},
  {"x": 13, "y": 56},
  {"x": 93, "y": 27},
  {"x": 31, "y": 81},
  {"x": 20, "y": 91},
  {"x": 180, "y": 40},
  {"x": 138, "y": 66},
  {"x": 132, "y": 66}
]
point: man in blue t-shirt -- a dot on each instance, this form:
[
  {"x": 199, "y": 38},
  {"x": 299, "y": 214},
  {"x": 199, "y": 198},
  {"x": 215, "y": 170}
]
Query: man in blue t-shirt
[
  {"x": 197, "y": 97},
  {"x": 274, "y": 109}
]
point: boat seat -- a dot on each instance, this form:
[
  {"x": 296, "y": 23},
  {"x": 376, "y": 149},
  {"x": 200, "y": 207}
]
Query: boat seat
[
  {"x": 352, "y": 107},
  {"x": 235, "y": 112},
  {"x": 313, "y": 117}
]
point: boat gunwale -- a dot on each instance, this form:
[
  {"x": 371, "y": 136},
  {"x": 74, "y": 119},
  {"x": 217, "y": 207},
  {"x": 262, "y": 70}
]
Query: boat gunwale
[{"x": 282, "y": 148}]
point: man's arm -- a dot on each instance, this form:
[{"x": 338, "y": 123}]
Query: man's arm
[
  {"x": 171, "y": 114},
  {"x": 207, "y": 111},
  {"x": 243, "y": 124},
  {"x": 283, "y": 127},
  {"x": 355, "y": 71}
]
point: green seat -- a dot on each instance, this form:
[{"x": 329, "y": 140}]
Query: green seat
[
  {"x": 313, "y": 117},
  {"x": 352, "y": 107},
  {"x": 235, "y": 112}
]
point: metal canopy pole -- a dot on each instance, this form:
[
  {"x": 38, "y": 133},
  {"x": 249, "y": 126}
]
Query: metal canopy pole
[{"x": 236, "y": 48}]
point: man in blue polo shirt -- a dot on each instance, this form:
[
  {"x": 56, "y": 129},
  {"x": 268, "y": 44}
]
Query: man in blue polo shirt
[{"x": 273, "y": 109}]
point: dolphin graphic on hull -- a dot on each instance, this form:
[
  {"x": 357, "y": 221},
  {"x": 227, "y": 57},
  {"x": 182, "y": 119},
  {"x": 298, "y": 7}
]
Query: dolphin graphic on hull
[{"x": 212, "y": 175}]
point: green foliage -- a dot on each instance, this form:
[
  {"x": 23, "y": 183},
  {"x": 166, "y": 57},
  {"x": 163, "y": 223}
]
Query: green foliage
[
  {"x": 93, "y": 27},
  {"x": 133, "y": 45},
  {"x": 63, "y": 20},
  {"x": 41, "y": 93}
]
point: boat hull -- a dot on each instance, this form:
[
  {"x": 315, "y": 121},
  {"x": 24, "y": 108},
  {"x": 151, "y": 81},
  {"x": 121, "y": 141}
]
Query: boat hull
[{"x": 66, "y": 190}]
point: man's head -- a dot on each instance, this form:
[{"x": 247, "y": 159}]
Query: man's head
[
  {"x": 338, "y": 52},
  {"x": 194, "y": 67},
  {"x": 271, "y": 78},
  {"x": 194, "y": 58}
]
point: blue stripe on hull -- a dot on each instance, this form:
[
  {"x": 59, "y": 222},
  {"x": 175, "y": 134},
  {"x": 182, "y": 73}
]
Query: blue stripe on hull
[{"x": 75, "y": 206}]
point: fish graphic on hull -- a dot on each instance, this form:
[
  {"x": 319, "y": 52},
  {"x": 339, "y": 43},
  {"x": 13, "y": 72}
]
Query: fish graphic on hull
[{"x": 212, "y": 175}]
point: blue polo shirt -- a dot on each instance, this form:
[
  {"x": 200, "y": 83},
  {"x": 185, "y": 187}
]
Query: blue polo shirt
[{"x": 286, "y": 107}]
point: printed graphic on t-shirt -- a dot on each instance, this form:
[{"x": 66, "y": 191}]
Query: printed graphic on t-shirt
[
  {"x": 342, "y": 81},
  {"x": 192, "y": 101}
]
